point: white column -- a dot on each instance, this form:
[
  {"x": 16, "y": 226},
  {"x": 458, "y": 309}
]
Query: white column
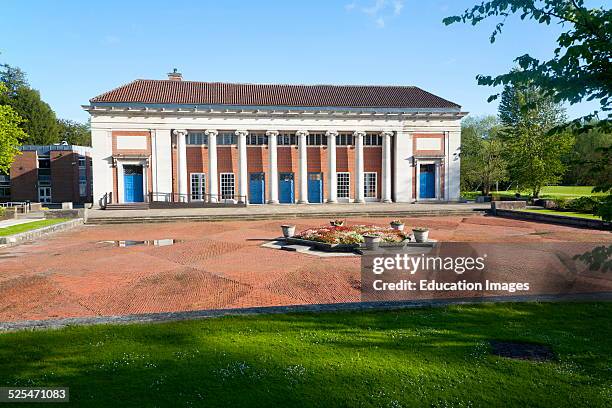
[
  {"x": 418, "y": 180},
  {"x": 273, "y": 163},
  {"x": 359, "y": 193},
  {"x": 162, "y": 173},
  {"x": 386, "y": 166},
  {"x": 213, "y": 183},
  {"x": 303, "y": 165},
  {"x": 243, "y": 175},
  {"x": 438, "y": 179},
  {"x": 181, "y": 144},
  {"x": 102, "y": 163},
  {"x": 332, "y": 182}
]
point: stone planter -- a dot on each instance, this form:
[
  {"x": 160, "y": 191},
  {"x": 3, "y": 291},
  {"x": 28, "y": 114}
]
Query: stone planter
[
  {"x": 372, "y": 242},
  {"x": 398, "y": 227},
  {"x": 288, "y": 230},
  {"x": 420, "y": 235}
]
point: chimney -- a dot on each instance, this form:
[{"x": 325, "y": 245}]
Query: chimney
[{"x": 175, "y": 75}]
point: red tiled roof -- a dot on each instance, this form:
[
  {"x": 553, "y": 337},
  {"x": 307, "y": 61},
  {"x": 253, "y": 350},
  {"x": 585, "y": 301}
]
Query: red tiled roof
[{"x": 218, "y": 93}]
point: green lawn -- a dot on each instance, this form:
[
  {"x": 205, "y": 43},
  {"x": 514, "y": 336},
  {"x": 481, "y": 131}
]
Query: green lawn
[
  {"x": 564, "y": 213},
  {"x": 547, "y": 192},
  {"x": 16, "y": 229},
  {"x": 433, "y": 357}
]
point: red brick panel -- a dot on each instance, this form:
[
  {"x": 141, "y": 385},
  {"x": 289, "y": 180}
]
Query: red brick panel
[
  {"x": 24, "y": 177},
  {"x": 64, "y": 176},
  {"x": 345, "y": 162},
  {"x": 197, "y": 162},
  {"x": 372, "y": 163},
  {"x": 428, "y": 136}
]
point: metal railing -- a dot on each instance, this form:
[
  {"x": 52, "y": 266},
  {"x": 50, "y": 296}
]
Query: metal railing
[
  {"x": 201, "y": 198},
  {"x": 106, "y": 199},
  {"x": 24, "y": 206}
]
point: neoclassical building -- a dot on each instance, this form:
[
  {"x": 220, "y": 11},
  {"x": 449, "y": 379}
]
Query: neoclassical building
[{"x": 191, "y": 142}]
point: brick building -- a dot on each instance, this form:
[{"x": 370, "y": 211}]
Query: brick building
[
  {"x": 176, "y": 140},
  {"x": 49, "y": 174}
]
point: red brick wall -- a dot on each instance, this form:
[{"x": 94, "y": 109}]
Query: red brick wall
[
  {"x": 372, "y": 162},
  {"x": 197, "y": 162},
  {"x": 345, "y": 162},
  {"x": 64, "y": 176},
  {"x": 24, "y": 177}
]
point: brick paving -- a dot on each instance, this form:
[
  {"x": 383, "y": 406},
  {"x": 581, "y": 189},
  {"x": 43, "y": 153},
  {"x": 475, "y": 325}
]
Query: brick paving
[{"x": 215, "y": 265}]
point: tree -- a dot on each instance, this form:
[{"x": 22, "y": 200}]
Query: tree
[
  {"x": 580, "y": 68},
  {"x": 40, "y": 123},
  {"x": 74, "y": 133},
  {"x": 589, "y": 145},
  {"x": 13, "y": 77},
  {"x": 535, "y": 155},
  {"x": 482, "y": 161},
  {"x": 10, "y": 134}
]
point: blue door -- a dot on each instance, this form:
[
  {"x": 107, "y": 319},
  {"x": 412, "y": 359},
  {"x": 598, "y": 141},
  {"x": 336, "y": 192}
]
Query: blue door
[
  {"x": 285, "y": 188},
  {"x": 257, "y": 190},
  {"x": 427, "y": 180},
  {"x": 132, "y": 184},
  {"x": 315, "y": 187}
]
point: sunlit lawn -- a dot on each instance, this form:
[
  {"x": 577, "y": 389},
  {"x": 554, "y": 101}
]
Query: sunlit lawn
[
  {"x": 563, "y": 213},
  {"x": 28, "y": 226},
  {"x": 547, "y": 192},
  {"x": 422, "y": 357}
]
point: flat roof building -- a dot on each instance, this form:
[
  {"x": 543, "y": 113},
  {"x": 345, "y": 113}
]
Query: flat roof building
[{"x": 49, "y": 174}]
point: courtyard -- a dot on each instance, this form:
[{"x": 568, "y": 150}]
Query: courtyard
[{"x": 84, "y": 272}]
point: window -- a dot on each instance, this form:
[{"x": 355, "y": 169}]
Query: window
[
  {"x": 257, "y": 139},
  {"x": 316, "y": 139},
  {"x": 44, "y": 162},
  {"x": 5, "y": 185},
  {"x": 286, "y": 139},
  {"x": 344, "y": 139},
  {"x": 82, "y": 162},
  {"x": 227, "y": 186},
  {"x": 369, "y": 185},
  {"x": 344, "y": 185},
  {"x": 372, "y": 139},
  {"x": 197, "y": 138},
  {"x": 226, "y": 138},
  {"x": 198, "y": 186},
  {"x": 82, "y": 182}
]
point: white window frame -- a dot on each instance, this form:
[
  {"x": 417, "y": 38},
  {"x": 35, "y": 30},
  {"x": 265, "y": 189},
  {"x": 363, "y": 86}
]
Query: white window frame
[
  {"x": 227, "y": 181},
  {"x": 341, "y": 176},
  {"x": 198, "y": 189},
  {"x": 370, "y": 192},
  {"x": 82, "y": 162},
  {"x": 44, "y": 198},
  {"x": 197, "y": 139}
]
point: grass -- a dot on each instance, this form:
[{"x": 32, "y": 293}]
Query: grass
[
  {"x": 434, "y": 357},
  {"x": 563, "y": 213},
  {"x": 547, "y": 192},
  {"x": 16, "y": 229}
]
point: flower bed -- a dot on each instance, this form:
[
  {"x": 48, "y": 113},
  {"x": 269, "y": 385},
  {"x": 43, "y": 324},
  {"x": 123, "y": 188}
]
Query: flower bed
[{"x": 351, "y": 235}]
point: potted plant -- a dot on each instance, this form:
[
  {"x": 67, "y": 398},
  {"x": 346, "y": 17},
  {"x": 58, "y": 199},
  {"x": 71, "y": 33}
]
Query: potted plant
[
  {"x": 421, "y": 234},
  {"x": 336, "y": 223},
  {"x": 397, "y": 225},
  {"x": 288, "y": 230},
  {"x": 372, "y": 241}
]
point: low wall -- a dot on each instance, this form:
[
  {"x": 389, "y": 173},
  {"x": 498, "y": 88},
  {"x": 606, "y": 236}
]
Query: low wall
[
  {"x": 507, "y": 205},
  {"x": 555, "y": 219},
  {"x": 33, "y": 234},
  {"x": 75, "y": 213}
]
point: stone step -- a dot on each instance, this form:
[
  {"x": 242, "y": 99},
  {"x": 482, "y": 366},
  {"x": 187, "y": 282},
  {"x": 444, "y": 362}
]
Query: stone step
[
  {"x": 272, "y": 216},
  {"x": 128, "y": 206}
]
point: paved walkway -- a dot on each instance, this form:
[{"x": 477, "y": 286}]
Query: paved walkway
[
  {"x": 17, "y": 221},
  {"x": 280, "y": 210},
  {"x": 78, "y": 273}
]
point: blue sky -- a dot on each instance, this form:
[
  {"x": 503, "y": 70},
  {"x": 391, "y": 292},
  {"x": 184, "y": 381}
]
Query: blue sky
[{"x": 74, "y": 50}]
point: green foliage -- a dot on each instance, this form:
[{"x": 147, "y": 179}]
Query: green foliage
[
  {"x": 13, "y": 77},
  {"x": 74, "y": 133},
  {"x": 534, "y": 153},
  {"x": 587, "y": 149},
  {"x": 11, "y": 135},
  {"x": 588, "y": 205},
  {"x": 482, "y": 162},
  {"x": 580, "y": 68},
  {"x": 40, "y": 122}
]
